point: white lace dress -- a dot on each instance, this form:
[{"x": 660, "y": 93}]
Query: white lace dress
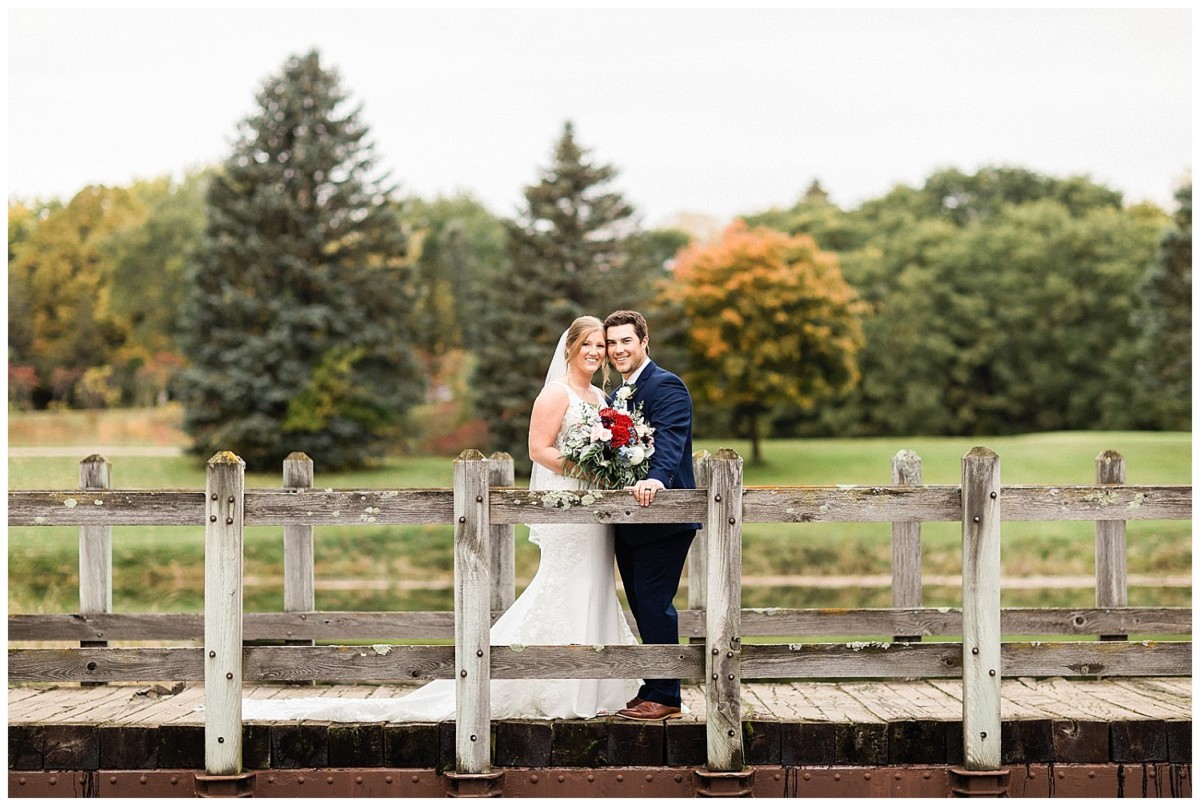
[{"x": 571, "y": 600}]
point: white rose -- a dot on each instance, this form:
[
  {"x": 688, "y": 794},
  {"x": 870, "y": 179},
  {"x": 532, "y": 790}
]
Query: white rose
[
  {"x": 600, "y": 433},
  {"x": 636, "y": 455}
]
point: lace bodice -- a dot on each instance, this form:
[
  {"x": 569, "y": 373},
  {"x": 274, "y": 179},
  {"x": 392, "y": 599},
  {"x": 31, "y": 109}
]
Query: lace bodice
[
  {"x": 576, "y": 409},
  {"x": 546, "y": 479}
]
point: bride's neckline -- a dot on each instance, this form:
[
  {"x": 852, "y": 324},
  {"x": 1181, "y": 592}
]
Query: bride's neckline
[{"x": 578, "y": 393}]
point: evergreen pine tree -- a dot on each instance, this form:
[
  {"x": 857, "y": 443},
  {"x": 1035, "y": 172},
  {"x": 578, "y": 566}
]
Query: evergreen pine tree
[
  {"x": 1165, "y": 319},
  {"x": 295, "y": 319},
  {"x": 575, "y": 250}
]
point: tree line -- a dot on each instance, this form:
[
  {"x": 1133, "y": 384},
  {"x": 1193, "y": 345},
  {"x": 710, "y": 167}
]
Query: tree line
[{"x": 292, "y": 299}]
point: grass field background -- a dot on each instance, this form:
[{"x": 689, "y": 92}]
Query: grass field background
[{"x": 159, "y": 569}]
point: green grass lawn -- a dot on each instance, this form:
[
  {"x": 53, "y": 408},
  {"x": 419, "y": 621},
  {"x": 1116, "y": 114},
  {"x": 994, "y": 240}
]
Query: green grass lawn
[{"x": 161, "y": 568}]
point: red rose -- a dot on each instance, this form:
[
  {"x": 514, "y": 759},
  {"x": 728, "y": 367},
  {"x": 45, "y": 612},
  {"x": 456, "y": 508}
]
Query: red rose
[{"x": 622, "y": 428}]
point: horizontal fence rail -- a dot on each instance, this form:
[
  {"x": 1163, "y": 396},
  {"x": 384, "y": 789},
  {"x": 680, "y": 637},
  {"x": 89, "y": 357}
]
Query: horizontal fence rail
[
  {"x": 439, "y": 624},
  {"x": 394, "y": 663},
  {"x": 760, "y": 505},
  {"x": 483, "y": 507}
]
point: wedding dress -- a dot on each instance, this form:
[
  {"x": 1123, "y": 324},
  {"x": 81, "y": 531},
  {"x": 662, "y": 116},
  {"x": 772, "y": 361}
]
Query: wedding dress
[{"x": 571, "y": 600}]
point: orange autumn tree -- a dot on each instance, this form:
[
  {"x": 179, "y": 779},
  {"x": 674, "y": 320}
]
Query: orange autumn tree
[{"x": 770, "y": 320}]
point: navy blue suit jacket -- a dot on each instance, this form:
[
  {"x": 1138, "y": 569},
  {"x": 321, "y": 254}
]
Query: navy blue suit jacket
[{"x": 667, "y": 407}]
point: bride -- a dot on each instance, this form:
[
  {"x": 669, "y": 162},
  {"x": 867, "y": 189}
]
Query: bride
[{"x": 571, "y": 600}]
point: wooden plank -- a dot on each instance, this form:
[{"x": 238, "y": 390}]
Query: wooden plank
[
  {"x": 723, "y": 647},
  {"x": 697, "y": 570},
  {"x": 16, "y": 695},
  {"x": 595, "y": 506},
  {"x": 1092, "y": 658},
  {"x": 816, "y": 702},
  {"x": 754, "y": 705},
  {"x": 869, "y": 697},
  {"x": 327, "y": 507},
  {"x": 854, "y": 660},
  {"x": 170, "y": 707},
  {"x": 72, "y": 706},
  {"x": 693, "y": 696},
  {"x": 472, "y": 614},
  {"x": 1147, "y": 703},
  {"x": 501, "y": 473},
  {"x": 223, "y": 535},
  {"x": 1099, "y": 502},
  {"x": 1095, "y": 621},
  {"x": 1098, "y": 701},
  {"x": 1173, "y": 690},
  {"x": 105, "y": 508},
  {"x": 299, "y": 591},
  {"x": 352, "y": 663},
  {"x": 1068, "y": 701},
  {"x": 1111, "y": 564},
  {"x": 1182, "y": 686},
  {"x": 792, "y": 703},
  {"x": 981, "y": 609},
  {"x": 1012, "y": 707},
  {"x": 387, "y": 662},
  {"x": 851, "y": 504},
  {"x": 256, "y": 626},
  {"x": 836, "y": 704},
  {"x": 926, "y": 701},
  {"x": 65, "y": 704},
  {"x": 1030, "y": 693},
  {"x": 109, "y": 709},
  {"x": 348, "y": 626},
  {"x": 137, "y": 707},
  {"x": 843, "y": 504},
  {"x": 95, "y": 543},
  {"x": 849, "y": 702},
  {"x": 906, "y": 540}
]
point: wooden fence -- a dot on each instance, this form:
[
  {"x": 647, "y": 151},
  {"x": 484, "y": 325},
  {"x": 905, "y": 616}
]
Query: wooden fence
[{"x": 483, "y": 506}]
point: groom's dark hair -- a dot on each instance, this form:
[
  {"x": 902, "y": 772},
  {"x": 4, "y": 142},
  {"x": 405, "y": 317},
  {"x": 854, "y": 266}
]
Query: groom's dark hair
[{"x": 618, "y": 318}]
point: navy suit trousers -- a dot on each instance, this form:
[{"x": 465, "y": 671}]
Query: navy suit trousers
[{"x": 650, "y": 573}]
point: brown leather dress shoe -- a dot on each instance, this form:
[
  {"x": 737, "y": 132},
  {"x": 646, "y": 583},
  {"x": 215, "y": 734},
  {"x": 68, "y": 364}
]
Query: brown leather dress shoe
[
  {"x": 634, "y": 703},
  {"x": 649, "y": 711}
]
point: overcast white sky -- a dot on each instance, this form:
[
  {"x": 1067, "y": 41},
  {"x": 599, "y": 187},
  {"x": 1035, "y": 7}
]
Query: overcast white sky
[{"x": 718, "y": 111}]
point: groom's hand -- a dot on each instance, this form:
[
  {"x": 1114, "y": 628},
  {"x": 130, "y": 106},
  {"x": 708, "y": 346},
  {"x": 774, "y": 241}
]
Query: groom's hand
[{"x": 644, "y": 490}]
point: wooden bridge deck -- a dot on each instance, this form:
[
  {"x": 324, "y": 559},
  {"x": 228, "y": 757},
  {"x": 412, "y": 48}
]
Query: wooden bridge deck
[{"x": 868, "y": 723}]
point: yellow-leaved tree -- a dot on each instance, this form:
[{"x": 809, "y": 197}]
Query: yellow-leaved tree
[{"x": 770, "y": 320}]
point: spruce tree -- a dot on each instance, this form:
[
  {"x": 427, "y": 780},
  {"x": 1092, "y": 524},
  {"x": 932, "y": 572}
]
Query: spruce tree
[
  {"x": 1165, "y": 319},
  {"x": 295, "y": 319},
  {"x": 575, "y": 249}
]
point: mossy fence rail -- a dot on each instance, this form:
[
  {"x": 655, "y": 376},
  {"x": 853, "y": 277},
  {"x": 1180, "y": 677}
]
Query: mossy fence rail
[{"x": 483, "y": 507}]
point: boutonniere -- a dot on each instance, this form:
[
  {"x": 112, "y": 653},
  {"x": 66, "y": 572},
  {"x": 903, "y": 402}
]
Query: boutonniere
[{"x": 624, "y": 393}]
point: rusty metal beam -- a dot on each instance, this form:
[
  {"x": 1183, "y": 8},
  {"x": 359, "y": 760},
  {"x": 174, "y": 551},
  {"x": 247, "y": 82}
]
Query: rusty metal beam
[{"x": 772, "y": 781}]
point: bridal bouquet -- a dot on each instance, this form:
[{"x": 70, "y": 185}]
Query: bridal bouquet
[{"x": 612, "y": 445}]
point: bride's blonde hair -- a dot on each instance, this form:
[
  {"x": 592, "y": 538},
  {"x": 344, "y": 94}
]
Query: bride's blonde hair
[{"x": 575, "y": 333}]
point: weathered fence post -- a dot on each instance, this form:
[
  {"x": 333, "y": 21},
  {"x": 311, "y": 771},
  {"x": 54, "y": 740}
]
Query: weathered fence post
[
  {"x": 725, "y": 773},
  {"x": 906, "y": 542},
  {"x": 225, "y": 489},
  {"x": 95, "y": 550},
  {"x": 698, "y": 554},
  {"x": 981, "y": 625},
  {"x": 299, "y": 587},
  {"x": 1111, "y": 562},
  {"x": 472, "y": 626},
  {"x": 504, "y": 580}
]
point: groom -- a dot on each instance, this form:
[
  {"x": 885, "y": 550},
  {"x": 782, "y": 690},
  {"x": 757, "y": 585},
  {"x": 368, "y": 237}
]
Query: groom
[{"x": 650, "y": 556}]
